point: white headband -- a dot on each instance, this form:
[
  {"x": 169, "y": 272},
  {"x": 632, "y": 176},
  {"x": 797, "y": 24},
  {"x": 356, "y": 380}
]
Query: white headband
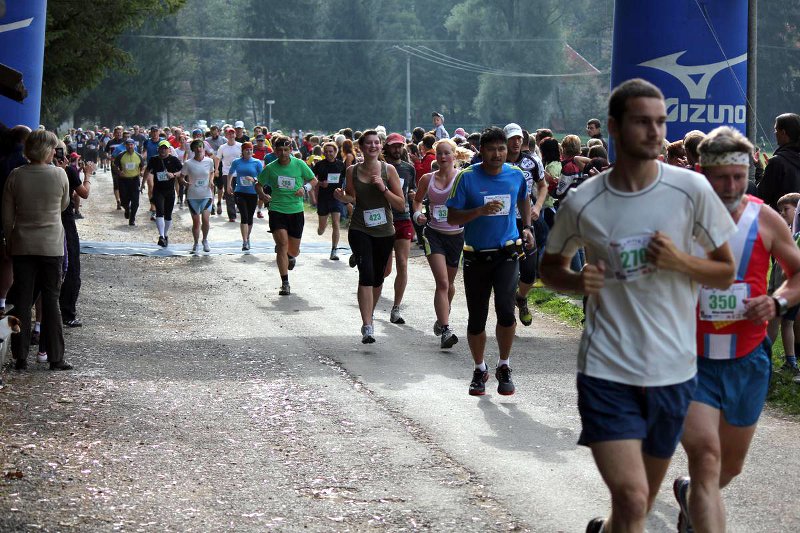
[{"x": 726, "y": 158}]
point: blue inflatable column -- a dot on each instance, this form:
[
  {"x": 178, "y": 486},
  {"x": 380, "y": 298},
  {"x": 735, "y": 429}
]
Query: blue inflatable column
[
  {"x": 22, "y": 26},
  {"x": 694, "y": 51}
]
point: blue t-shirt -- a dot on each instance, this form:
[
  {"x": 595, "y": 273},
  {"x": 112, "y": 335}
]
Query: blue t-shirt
[
  {"x": 246, "y": 173},
  {"x": 118, "y": 149},
  {"x": 151, "y": 147},
  {"x": 474, "y": 188}
]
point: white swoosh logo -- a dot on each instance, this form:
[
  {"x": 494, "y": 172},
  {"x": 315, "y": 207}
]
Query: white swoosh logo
[
  {"x": 697, "y": 89},
  {"x": 16, "y": 25}
]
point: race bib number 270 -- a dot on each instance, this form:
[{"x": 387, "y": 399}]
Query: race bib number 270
[{"x": 628, "y": 257}]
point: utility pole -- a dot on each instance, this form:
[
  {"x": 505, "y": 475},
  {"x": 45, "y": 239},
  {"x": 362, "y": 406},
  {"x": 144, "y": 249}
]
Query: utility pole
[
  {"x": 269, "y": 124},
  {"x": 752, "y": 72},
  {"x": 408, "y": 92}
]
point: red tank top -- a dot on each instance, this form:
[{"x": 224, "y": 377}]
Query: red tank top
[{"x": 730, "y": 339}]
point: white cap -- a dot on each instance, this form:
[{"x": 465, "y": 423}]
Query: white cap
[
  {"x": 512, "y": 130},
  {"x": 240, "y": 124}
]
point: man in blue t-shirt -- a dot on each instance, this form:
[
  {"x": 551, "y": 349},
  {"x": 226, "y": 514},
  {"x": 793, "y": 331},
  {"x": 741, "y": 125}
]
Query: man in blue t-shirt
[{"x": 482, "y": 200}]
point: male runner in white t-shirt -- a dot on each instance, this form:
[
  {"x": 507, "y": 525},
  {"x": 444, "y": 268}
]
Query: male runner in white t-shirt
[{"x": 639, "y": 223}]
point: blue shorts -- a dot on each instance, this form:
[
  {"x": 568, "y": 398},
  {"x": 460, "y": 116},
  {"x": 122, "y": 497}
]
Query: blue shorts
[
  {"x": 616, "y": 411},
  {"x": 196, "y": 207},
  {"x": 737, "y": 387}
]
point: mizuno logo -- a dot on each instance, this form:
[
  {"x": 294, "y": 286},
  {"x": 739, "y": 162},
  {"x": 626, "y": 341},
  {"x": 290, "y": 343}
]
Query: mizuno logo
[
  {"x": 697, "y": 89},
  {"x": 15, "y": 25}
]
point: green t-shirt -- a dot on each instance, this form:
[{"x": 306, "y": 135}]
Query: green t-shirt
[{"x": 285, "y": 180}]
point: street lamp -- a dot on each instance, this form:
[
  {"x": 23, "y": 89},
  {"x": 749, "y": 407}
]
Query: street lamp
[{"x": 269, "y": 124}]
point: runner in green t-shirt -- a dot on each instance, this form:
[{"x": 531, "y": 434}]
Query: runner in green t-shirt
[{"x": 287, "y": 178}]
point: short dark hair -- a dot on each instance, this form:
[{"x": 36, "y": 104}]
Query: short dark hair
[
  {"x": 363, "y": 137},
  {"x": 417, "y": 134},
  {"x": 493, "y": 134},
  {"x": 526, "y": 138},
  {"x": 598, "y": 151},
  {"x": 550, "y": 149},
  {"x": 195, "y": 144},
  {"x": 428, "y": 141},
  {"x": 593, "y": 122},
  {"x": 635, "y": 88},
  {"x": 789, "y": 123},
  {"x": 542, "y": 133},
  {"x": 280, "y": 141},
  {"x": 348, "y": 133}
]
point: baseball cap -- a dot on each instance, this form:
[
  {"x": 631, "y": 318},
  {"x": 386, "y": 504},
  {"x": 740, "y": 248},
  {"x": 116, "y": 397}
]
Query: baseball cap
[
  {"x": 130, "y": 141},
  {"x": 247, "y": 145},
  {"x": 260, "y": 138},
  {"x": 460, "y": 131},
  {"x": 197, "y": 131},
  {"x": 153, "y": 128},
  {"x": 74, "y": 155},
  {"x": 239, "y": 124},
  {"x": 512, "y": 130},
  {"x": 395, "y": 138},
  {"x": 80, "y": 129},
  {"x": 164, "y": 143},
  {"x": 435, "y": 114}
]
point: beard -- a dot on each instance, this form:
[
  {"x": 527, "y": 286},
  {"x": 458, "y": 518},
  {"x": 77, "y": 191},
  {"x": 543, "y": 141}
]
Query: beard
[{"x": 732, "y": 205}]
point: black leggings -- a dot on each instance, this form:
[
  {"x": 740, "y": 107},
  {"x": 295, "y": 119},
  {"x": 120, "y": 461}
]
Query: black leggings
[
  {"x": 480, "y": 277},
  {"x": 246, "y": 203},
  {"x": 164, "y": 202},
  {"x": 372, "y": 254}
]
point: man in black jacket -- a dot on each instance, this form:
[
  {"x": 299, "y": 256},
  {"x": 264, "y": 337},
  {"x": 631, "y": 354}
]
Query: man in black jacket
[{"x": 782, "y": 174}]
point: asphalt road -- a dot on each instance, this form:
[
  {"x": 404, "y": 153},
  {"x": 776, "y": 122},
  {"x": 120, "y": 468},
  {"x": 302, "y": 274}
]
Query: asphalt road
[{"x": 203, "y": 401}]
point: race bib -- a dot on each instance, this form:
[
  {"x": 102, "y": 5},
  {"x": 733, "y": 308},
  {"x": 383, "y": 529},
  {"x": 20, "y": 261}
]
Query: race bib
[
  {"x": 130, "y": 166},
  {"x": 505, "y": 198},
  {"x": 375, "y": 217},
  {"x": 246, "y": 181},
  {"x": 628, "y": 257},
  {"x": 439, "y": 212},
  {"x": 162, "y": 176},
  {"x": 199, "y": 184},
  {"x": 80, "y": 145},
  {"x": 334, "y": 178},
  {"x": 723, "y": 305},
  {"x": 286, "y": 182}
]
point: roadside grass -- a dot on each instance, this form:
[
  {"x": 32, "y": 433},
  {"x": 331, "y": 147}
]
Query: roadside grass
[{"x": 784, "y": 393}]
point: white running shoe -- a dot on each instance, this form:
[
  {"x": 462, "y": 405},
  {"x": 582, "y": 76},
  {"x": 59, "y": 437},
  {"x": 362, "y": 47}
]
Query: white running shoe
[
  {"x": 41, "y": 357},
  {"x": 367, "y": 334},
  {"x": 194, "y": 248},
  {"x": 206, "y": 247}
]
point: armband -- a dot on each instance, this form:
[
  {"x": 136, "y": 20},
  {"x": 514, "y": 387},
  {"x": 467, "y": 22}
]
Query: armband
[{"x": 417, "y": 214}]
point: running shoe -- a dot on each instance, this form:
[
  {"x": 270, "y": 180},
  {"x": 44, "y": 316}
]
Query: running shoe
[
  {"x": 680, "y": 488},
  {"x": 792, "y": 370},
  {"x": 477, "y": 386},
  {"x": 166, "y": 240},
  {"x": 206, "y": 247},
  {"x": 260, "y": 214},
  {"x": 34, "y": 338},
  {"x": 367, "y": 334},
  {"x": 74, "y": 323},
  {"x": 448, "y": 339},
  {"x": 595, "y": 525},
  {"x": 41, "y": 357},
  {"x": 162, "y": 242},
  {"x": 213, "y": 211},
  {"x": 394, "y": 316},
  {"x": 219, "y": 208},
  {"x": 505, "y": 386},
  {"x": 78, "y": 215},
  {"x": 127, "y": 213},
  {"x": 292, "y": 262},
  {"x": 334, "y": 257},
  {"x": 524, "y": 313},
  {"x": 62, "y": 365},
  {"x": 437, "y": 329},
  {"x": 352, "y": 261},
  {"x": 194, "y": 248},
  {"x": 244, "y": 246},
  {"x": 285, "y": 289}
]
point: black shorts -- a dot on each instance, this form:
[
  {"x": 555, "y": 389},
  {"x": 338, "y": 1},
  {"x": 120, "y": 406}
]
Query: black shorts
[
  {"x": 292, "y": 223},
  {"x": 219, "y": 182},
  {"x": 327, "y": 205},
  {"x": 448, "y": 245}
]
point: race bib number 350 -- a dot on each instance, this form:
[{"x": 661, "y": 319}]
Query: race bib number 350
[
  {"x": 723, "y": 305},
  {"x": 286, "y": 182},
  {"x": 628, "y": 257}
]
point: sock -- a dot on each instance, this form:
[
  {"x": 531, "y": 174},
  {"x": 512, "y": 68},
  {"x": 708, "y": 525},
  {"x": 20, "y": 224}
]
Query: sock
[
  {"x": 160, "y": 226},
  {"x": 37, "y": 327},
  {"x": 791, "y": 360},
  {"x": 3, "y": 303},
  {"x": 481, "y": 367},
  {"x": 285, "y": 278},
  {"x": 502, "y": 362},
  {"x": 167, "y": 225}
]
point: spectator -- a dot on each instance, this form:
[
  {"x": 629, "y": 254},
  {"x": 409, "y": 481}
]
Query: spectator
[
  {"x": 676, "y": 154},
  {"x": 690, "y": 143},
  {"x": 593, "y": 129},
  {"x": 15, "y": 138},
  {"x": 33, "y": 199},
  {"x": 782, "y": 174}
]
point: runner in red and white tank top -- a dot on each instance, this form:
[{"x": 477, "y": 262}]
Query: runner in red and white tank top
[{"x": 733, "y": 365}]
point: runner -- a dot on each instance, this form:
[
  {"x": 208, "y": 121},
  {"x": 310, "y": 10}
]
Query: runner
[
  {"x": 482, "y": 200},
  {"x": 108, "y": 150},
  {"x": 374, "y": 187},
  {"x": 330, "y": 176},
  {"x": 245, "y": 169},
  {"x": 443, "y": 242},
  {"x": 639, "y": 222},
  {"x": 226, "y": 154},
  {"x": 197, "y": 175},
  {"x": 533, "y": 170},
  {"x": 403, "y": 228},
  {"x": 263, "y": 152},
  {"x": 733, "y": 365},
  {"x": 128, "y": 168},
  {"x": 150, "y": 150},
  {"x": 160, "y": 174},
  {"x": 288, "y": 178}
]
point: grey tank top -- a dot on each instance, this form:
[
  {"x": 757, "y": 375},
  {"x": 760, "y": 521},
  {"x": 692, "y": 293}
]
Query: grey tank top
[{"x": 372, "y": 213}]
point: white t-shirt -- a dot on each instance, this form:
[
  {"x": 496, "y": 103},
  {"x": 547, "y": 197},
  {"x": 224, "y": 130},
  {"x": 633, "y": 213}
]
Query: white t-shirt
[
  {"x": 640, "y": 328},
  {"x": 197, "y": 173},
  {"x": 227, "y": 153}
]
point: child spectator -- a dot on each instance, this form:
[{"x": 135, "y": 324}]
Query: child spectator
[{"x": 787, "y": 204}]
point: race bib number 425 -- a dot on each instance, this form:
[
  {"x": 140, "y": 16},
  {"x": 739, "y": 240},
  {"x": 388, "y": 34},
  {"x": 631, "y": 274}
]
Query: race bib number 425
[
  {"x": 628, "y": 257},
  {"x": 723, "y": 305}
]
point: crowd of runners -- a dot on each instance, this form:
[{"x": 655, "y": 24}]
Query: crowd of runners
[{"x": 672, "y": 247}]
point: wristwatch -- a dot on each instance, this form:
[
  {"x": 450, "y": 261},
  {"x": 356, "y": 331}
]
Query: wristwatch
[{"x": 781, "y": 305}]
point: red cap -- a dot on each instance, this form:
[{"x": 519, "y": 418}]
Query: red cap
[
  {"x": 395, "y": 138},
  {"x": 74, "y": 155}
]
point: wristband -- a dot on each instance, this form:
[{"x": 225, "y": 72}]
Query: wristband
[
  {"x": 529, "y": 228},
  {"x": 417, "y": 214},
  {"x": 307, "y": 187}
]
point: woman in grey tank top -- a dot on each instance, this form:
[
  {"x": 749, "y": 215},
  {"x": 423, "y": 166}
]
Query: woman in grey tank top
[{"x": 374, "y": 188}]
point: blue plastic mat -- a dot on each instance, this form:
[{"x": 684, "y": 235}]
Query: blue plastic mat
[{"x": 176, "y": 250}]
